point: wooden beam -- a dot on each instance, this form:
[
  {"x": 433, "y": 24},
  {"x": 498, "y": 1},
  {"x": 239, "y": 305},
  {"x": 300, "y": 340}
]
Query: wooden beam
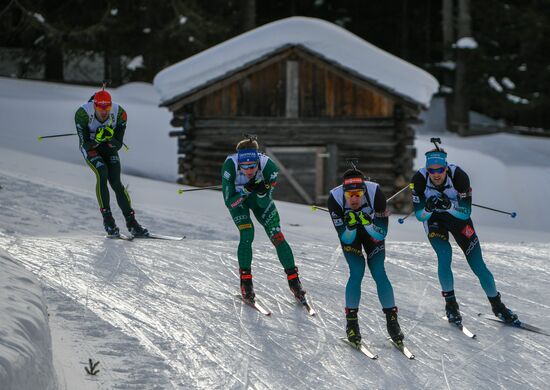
[
  {"x": 352, "y": 75},
  {"x": 292, "y": 89},
  {"x": 293, "y": 182},
  {"x": 320, "y": 157}
]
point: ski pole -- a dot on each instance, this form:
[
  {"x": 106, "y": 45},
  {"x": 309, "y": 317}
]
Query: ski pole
[
  {"x": 181, "y": 191},
  {"x": 315, "y": 208},
  {"x": 512, "y": 214},
  {"x": 398, "y": 192},
  {"x": 41, "y": 137}
]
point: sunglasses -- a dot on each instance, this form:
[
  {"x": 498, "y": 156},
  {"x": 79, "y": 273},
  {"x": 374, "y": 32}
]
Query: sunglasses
[
  {"x": 352, "y": 193},
  {"x": 246, "y": 167},
  {"x": 436, "y": 170},
  {"x": 103, "y": 106}
]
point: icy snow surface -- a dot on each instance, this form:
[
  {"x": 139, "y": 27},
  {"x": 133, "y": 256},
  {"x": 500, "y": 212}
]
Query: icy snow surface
[
  {"x": 326, "y": 39},
  {"x": 160, "y": 314}
]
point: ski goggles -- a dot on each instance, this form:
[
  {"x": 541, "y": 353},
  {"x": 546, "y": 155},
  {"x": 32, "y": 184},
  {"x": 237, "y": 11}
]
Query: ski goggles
[
  {"x": 248, "y": 166},
  {"x": 354, "y": 193},
  {"x": 432, "y": 171},
  {"x": 103, "y": 106}
]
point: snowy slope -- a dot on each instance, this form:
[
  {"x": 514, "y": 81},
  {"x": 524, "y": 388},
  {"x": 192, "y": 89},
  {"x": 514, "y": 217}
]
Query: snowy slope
[
  {"x": 25, "y": 342},
  {"x": 160, "y": 314}
]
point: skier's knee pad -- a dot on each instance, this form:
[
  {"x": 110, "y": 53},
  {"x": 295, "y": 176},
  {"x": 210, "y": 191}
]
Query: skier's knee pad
[
  {"x": 277, "y": 239},
  {"x": 246, "y": 231}
]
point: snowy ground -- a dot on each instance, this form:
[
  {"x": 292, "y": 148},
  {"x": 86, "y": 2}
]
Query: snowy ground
[{"x": 160, "y": 314}]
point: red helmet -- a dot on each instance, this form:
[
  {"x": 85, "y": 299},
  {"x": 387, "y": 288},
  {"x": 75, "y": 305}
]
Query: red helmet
[{"x": 102, "y": 99}]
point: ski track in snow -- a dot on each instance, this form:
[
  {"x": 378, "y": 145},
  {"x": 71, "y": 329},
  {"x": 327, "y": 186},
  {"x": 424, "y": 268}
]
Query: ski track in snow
[{"x": 176, "y": 301}]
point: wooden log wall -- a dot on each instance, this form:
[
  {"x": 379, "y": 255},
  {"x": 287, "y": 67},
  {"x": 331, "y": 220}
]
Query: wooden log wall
[
  {"x": 346, "y": 115},
  {"x": 323, "y": 93},
  {"x": 383, "y": 146}
]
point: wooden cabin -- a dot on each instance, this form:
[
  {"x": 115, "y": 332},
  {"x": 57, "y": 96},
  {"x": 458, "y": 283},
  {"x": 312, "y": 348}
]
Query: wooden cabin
[{"x": 309, "y": 109}]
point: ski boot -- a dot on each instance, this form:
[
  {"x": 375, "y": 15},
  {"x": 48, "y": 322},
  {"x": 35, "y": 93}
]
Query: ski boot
[
  {"x": 109, "y": 224},
  {"x": 451, "y": 307},
  {"x": 247, "y": 288},
  {"x": 352, "y": 326},
  {"x": 134, "y": 227},
  {"x": 501, "y": 311},
  {"x": 294, "y": 283},
  {"x": 394, "y": 330}
]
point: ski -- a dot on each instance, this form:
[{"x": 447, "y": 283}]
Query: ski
[
  {"x": 161, "y": 237},
  {"x": 310, "y": 310},
  {"x": 361, "y": 347},
  {"x": 461, "y": 327},
  {"x": 516, "y": 324},
  {"x": 120, "y": 236},
  {"x": 402, "y": 348},
  {"x": 255, "y": 304}
]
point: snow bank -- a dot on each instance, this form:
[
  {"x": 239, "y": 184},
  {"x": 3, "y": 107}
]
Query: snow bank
[{"x": 25, "y": 342}]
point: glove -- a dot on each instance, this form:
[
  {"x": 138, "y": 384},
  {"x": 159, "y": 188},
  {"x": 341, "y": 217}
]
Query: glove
[
  {"x": 444, "y": 203},
  {"x": 431, "y": 203},
  {"x": 350, "y": 220},
  {"x": 104, "y": 134},
  {"x": 256, "y": 185},
  {"x": 262, "y": 188},
  {"x": 365, "y": 219}
]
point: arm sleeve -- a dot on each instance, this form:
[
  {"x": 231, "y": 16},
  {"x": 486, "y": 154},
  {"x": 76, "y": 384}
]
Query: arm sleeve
[
  {"x": 83, "y": 131},
  {"x": 378, "y": 229},
  {"x": 462, "y": 209},
  {"x": 231, "y": 197},
  {"x": 418, "y": 186},
  {"x": 118, "y": 138},
  {"x": 337, "y": 214}
]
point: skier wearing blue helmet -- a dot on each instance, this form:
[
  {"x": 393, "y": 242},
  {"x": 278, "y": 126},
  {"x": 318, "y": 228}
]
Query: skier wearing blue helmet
[{"x": 442, "y": 199}]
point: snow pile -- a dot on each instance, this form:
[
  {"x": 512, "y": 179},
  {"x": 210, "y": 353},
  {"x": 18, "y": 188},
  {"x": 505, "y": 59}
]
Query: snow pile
[
  {"x": 25, "y": 343},
  {"x": 466, "y": 43},
  {"x": 327, "y": 40}
]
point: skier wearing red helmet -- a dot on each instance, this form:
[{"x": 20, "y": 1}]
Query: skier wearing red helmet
[{"x": 100, "y": 125}]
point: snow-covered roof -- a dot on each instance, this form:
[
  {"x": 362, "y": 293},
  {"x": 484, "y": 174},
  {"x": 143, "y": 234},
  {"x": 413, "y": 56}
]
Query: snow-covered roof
[{"x": 324, "y": 39}]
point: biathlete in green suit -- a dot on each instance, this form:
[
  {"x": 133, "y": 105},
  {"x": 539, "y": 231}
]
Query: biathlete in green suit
[
  {"x": 248, "y": 181},
  {"x": 100, "y": 125}
]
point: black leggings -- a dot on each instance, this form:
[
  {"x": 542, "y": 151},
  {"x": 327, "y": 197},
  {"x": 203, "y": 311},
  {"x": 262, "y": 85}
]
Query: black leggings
[{"x": 106, "y": 167}]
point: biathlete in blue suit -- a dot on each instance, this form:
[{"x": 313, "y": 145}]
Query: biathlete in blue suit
[
  {"x": 442, "y": 199},
  {"x": 358, "y": 211}
]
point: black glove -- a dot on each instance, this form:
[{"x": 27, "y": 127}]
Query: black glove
[
  {"x": 262, "y": 188},
  {"x": 256, "y": 185},
  {"x": 431, "y": 203},
  {"x": 444, "y": 202},
  {"x": 351, "y": 220}
]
